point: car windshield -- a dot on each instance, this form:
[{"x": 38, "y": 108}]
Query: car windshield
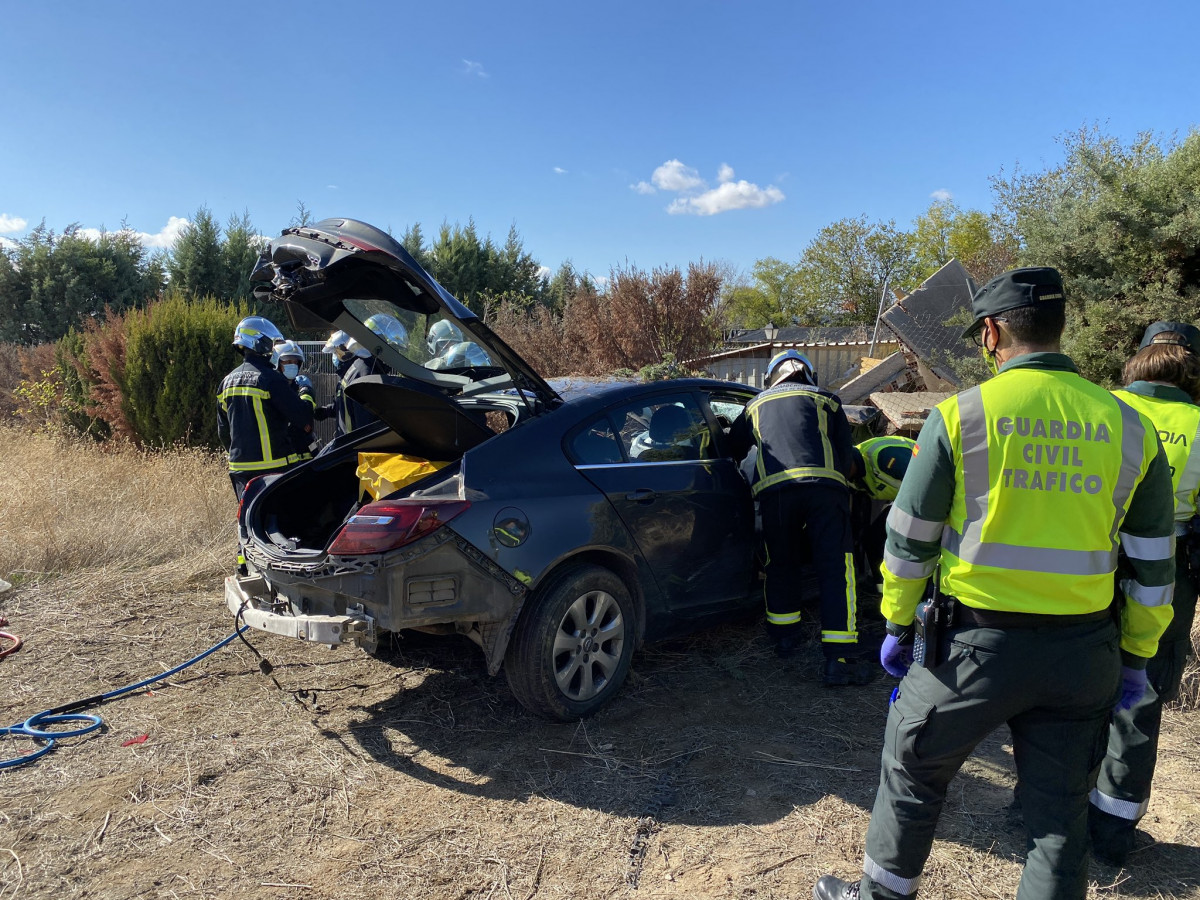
[{"x": 432, "y": 341}]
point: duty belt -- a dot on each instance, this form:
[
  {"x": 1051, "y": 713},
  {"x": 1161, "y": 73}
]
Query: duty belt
[{"x": 994, "y": 618}]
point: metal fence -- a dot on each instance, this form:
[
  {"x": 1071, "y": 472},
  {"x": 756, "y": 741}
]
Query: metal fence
[{"x": 319, "y": 367}]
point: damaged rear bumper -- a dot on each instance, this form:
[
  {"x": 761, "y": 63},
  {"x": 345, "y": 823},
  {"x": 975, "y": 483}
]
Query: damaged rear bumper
[{"x": 248, "y": 597}]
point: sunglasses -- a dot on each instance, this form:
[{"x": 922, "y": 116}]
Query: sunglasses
[{"x": 977, "y": 337}]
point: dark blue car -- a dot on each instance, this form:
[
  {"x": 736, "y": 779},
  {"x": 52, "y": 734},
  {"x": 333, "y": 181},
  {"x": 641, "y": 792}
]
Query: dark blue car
[{"x": 568, "y": 521}]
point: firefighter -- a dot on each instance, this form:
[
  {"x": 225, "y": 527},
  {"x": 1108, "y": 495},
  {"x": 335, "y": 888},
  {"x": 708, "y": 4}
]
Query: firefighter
[
  {"x": 1163, "y": 383},
  {"x": 803, "y": 443},
  {"x": 1018, "y": 493},
  {"x": 288, "y": 359},
  {"x": 877, "y": 466},
  {"x": 355, "y": 361},
  {"x": 346, "y": 413},
  {"x": 255, "y": 407}
]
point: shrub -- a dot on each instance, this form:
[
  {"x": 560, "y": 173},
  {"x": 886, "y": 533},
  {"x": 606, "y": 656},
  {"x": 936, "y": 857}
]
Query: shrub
[{"x": 176, "y": 353}]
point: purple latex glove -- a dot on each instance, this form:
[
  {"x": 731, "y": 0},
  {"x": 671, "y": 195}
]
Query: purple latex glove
[
  {"x": 1133, "y": 685},
  {"x": 895, "y": 657}
]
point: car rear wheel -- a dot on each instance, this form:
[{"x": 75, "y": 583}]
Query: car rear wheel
[{"x": 572, "y": 646}]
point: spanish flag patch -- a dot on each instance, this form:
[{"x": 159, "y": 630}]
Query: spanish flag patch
[{"x": 916, "y": 449}]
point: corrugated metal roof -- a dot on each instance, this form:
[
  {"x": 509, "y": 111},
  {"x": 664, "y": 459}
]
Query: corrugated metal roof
[{"x": 919, "y": 320}]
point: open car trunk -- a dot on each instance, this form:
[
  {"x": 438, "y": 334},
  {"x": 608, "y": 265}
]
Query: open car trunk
[{"x": 299, "y": 513}]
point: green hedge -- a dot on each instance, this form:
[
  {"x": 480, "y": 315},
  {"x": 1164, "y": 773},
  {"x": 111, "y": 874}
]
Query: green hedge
[{"x": 176, "y": 353}]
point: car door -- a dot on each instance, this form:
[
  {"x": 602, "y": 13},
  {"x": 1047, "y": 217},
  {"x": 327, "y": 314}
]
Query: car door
[{"x": 658, "y": 461}]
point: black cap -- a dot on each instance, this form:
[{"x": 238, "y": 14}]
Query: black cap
[
  {"x": 1020, "y": 287},
  {"x": 1172, "y": 333}
]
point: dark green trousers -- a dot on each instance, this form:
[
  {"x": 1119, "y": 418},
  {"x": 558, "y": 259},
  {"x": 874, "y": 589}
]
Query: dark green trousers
[
  {"x": 1123, "y": 787},
  {"x": 1055, "y": 687}
]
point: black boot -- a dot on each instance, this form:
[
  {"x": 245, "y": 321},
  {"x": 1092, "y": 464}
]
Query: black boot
[
  {"x": 845, "y": 670},
  {"x": 830, "y": 888},
  {"x": 1112, "y": 837}
]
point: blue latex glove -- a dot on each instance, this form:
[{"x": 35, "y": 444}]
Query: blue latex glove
[
  {"x": 303, "y": 381},
  {"x": 1133, "y": 685},
  {"x": 895, "y": 657}
]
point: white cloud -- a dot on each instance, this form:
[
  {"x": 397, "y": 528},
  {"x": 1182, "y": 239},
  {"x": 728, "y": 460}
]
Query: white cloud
[
  {"x": 559, "y": 170},
  {"x": 675, "y": 176},
  {"x": 601, "y": 281},
  {"x": 696, "y": 198},
  {"x": 727, "y": 196},
  {"x": 163, "y": 239},
  {"x": 7, "y": 243},
  {"x": 941, "y": 195},
  {"x": 331, "y": 187},
  {"x": 9, "y": 224},
  {"x": 475, "y": 68},
  {"x": 544, "y": 272}
]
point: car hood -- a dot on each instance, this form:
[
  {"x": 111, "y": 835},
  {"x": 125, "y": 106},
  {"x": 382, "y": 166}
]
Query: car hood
[{"x": 342, "y": 274}]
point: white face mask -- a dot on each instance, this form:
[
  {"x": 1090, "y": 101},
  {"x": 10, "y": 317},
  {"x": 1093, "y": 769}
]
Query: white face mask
[{"x": 290, "y": 371}]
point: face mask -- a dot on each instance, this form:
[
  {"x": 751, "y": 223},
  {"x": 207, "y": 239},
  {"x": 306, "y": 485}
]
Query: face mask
[
  {"x": 989, "y": 356},
  {"x": 290, "y": 371}
]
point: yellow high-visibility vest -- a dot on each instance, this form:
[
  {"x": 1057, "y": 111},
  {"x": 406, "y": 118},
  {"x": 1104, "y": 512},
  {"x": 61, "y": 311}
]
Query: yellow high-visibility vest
[
  {"x": 1045, "y": 464},
  {"x": 1178, "y": 426}
]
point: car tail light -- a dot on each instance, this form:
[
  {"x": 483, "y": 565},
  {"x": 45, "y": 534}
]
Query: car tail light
[
  {"x": 253, "y": 486},
  {"x": 389, "y": 524}
]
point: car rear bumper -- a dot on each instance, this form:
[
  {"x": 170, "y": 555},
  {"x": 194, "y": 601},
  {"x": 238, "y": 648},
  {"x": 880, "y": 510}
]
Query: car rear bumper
[{"x": 243, "y": 597}]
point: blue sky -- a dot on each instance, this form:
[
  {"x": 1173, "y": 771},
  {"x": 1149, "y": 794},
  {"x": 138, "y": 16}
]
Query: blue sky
[{"x": 648, "y": 133}]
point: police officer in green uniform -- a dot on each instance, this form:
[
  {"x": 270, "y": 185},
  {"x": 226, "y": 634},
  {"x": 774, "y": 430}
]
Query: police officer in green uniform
[
  {"x": 1163, "y": 381},
  {"x": 1018, "y": 497}
]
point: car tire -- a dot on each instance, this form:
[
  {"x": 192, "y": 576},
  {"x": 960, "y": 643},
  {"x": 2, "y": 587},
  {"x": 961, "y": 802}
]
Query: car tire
[{"x": 573, "y": 643}]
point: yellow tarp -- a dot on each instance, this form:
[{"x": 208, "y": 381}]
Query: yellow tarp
[{"x": 380, "y": 474}]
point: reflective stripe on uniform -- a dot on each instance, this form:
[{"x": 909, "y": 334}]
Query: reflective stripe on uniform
[
  {"x": 912, "y": 527},
  {"x": 907, "y": 568},
  {"x": 783, "y": 618},
  {"x": 265, "y": 464},
  {"x": 889, "y": 880},
  {"x": 1133, "y": 451},
  {"x": 795, "y": 475},
  {"x": 968, "y": 545},
  {"x": 1147, "y": 595},
  {"x": 1148, "y": 548},
  {"x": 839, "y": 637},
  {"x": 851, "y": 600},
  {"x": 1123, "y": 809},
  {"x": 269, "y": 461},
  {"x": 1189, "y": 482}
]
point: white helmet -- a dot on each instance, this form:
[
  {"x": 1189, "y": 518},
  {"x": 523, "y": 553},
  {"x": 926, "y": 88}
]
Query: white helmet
[
  {"x": 342, "y": 346},
  {"x": 284, "y": 349},
  {"x": 256, "y": 334},
  {"x": 389, "y": 328},
  {"x": 442, "y": 334},
  {"x": 460, "y": 356},
  {"x": 339, "y": 339}
]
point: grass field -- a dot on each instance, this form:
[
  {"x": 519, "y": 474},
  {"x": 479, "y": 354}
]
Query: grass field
[{"x": 720, "y": 772}]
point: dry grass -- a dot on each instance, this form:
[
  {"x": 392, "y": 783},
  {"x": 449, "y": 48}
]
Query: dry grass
[{"x": 724, "y": 772}]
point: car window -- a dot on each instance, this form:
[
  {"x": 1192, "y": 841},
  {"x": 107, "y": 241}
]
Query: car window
[
  {"x": 433, "y": 341},
  {"x": 596, "y": 444},
  {"x": 668, "y": 428}
]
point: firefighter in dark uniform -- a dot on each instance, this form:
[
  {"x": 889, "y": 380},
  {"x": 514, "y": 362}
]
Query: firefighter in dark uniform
[
  {"x": 804, "y": 448},
  {"x": 288, "y": 359},
  {"x": 1163, "y": 383},
  {"x": 1019, "y": 493},
  {"x": 255, "y": 406}
]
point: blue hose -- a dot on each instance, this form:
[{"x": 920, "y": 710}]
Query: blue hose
[{"x": 31, "y": 727}]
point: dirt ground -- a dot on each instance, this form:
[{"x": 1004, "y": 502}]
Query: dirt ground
[{"x": 719, "y": 772}]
